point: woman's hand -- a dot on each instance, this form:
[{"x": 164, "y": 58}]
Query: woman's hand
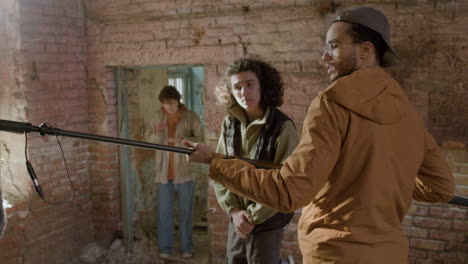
[{"x": 242, "y": 222}]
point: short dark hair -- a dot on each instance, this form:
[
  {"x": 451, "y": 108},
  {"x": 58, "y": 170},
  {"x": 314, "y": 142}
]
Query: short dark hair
[
  {"x": 169, "y": 92},
  {"x": 360, "y": 33},
  {"x": 271, "y": 83}
]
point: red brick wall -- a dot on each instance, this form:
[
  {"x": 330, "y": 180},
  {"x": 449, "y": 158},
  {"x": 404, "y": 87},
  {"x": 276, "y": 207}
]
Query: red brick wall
[
  {"x": 53, "y": 59},
  {"x": 438, "y": 233},
  {"x": 430, "y": 38},
  {"x": 50, "y": 71},
  {"x": 103, "y": 157}
]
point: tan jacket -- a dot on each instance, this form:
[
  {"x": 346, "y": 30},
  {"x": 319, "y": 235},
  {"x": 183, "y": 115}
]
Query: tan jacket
[
  {"x": 285, "y": 143},
  {"x": 189, "y": 127},
  {"x": 364, "y": 154}
]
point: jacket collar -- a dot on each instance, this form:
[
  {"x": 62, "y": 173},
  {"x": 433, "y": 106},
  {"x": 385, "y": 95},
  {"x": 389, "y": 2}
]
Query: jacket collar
[{"x": 239, "y": 113}]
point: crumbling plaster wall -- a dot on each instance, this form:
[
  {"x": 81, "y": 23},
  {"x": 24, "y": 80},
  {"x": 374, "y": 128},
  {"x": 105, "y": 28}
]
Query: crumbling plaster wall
[
  {"x": 43, "y": 79},
  {"x": 430, "y": 37},
  {"x": 15, "y": 188}
]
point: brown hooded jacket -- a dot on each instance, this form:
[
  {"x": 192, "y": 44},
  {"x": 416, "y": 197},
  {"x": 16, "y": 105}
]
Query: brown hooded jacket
[{"x": 364, "y": 154}]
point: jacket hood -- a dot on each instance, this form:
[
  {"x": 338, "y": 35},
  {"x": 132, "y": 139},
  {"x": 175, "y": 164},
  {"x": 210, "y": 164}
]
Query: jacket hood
[{"x": 370, "y": 93}]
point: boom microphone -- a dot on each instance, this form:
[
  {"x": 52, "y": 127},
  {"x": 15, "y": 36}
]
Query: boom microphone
[
  {"x": 35, "y": 182},
  {"x": 15, "y": 127},
  {"x": 3, "y": 219},
  {"x": 44, "y": 129}
]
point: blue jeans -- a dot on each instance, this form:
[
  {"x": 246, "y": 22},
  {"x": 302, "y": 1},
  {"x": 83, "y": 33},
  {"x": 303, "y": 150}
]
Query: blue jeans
[{"x": 185, "y": 194}]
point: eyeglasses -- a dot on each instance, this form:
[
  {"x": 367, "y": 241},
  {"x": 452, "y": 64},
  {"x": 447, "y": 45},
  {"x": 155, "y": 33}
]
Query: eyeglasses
[{"x": 332, "y": 46}]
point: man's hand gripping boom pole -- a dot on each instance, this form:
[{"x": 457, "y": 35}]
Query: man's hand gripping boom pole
[{"x": 43, "y": 129}]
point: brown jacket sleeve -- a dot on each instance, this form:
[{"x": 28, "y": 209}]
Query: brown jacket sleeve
[
  {"x": 303, "y": 173},
  {"x": 435, "y": 182}
]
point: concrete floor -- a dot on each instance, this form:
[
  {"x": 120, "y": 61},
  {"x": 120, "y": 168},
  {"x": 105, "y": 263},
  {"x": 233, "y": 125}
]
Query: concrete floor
[{"x": 146, "y": 252}]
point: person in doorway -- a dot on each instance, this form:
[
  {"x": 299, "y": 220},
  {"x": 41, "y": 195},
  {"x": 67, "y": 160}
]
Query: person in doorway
[
  {"x": 173, "y": 173},
  {"x": 364, "y": 154},
  {"x": 253, "y": 128}
]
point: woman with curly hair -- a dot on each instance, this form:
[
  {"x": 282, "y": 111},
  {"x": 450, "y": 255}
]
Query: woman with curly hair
[{"x": 253, "y": 128}]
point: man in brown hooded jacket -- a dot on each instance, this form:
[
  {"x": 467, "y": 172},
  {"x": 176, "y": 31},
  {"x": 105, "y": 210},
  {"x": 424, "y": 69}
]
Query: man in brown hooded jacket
[{"x": 364, "y": 154}]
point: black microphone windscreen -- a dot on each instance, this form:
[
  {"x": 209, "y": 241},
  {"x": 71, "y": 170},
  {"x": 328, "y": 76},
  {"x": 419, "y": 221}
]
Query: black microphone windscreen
[{"x": 2, "y": 216}]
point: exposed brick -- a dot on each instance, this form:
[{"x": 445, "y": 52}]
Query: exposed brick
[
  {"x": 460, "y": 213},
  {"x": 421, "y": 210},
  {"x": 423, "y": 261},
  {"x": 146, "y": 32},
  {"x": 230, "y": 20},
  {"x": 417, "y": 253},
  {"x": 462, "y": 190},
  {"x": 445, "y": 235},
  {"x": 460, "y": 225},
  {"x": 416, "y": 232},
  {"x": 442, "y": 212},
  {"x": 461, "y": 179},
  {"x": 453, "y": 257},
  {"x": 457, "y": 246},
  {"x": 432, "y": 223},
  {"x": 427, "y": 244},
  {"x": 293, "y": 67},
  {"x": 218, "y": 31},
  {"x": 44, "y": 30}
]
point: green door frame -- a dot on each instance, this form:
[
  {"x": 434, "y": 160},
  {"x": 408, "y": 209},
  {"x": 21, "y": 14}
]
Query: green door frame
[{"x": 126, "y": 182}]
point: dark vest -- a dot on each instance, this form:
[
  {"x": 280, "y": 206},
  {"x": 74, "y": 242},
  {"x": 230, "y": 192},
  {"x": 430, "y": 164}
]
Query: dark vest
[{"x": 265, "y": 151}]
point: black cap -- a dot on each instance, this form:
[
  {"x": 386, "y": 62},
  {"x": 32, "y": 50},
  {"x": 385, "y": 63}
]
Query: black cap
[{"x": 375, "y": 20}]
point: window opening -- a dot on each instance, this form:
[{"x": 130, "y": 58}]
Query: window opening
[{"x": 178, "y": 83}]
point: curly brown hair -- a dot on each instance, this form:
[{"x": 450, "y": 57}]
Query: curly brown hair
[{"x": 271, "y": 83}]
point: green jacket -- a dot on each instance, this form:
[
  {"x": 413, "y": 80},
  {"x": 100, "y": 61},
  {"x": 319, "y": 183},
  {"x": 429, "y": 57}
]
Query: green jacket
[{"x": 285, "y": 144}]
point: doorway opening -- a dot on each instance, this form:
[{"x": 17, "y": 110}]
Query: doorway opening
[{"x": 138, "y": 89}]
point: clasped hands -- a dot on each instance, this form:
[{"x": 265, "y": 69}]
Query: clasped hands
[
  {"x": 242, "y": 221},
  {"x": 204, "y": 154}
]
